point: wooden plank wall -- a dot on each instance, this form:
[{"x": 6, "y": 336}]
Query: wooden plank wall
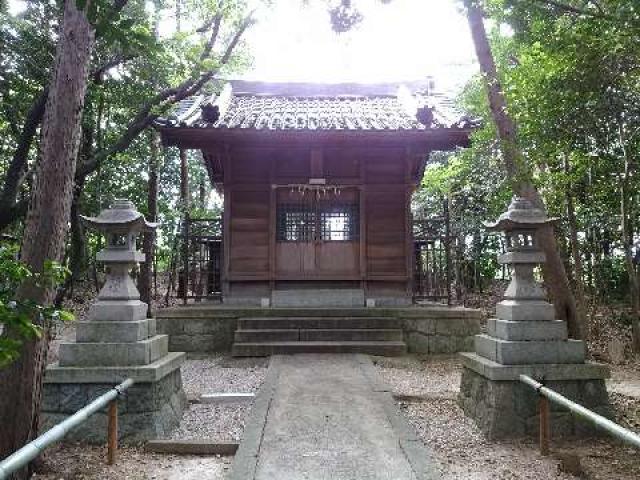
[
  {"x": 385, "y": 210},
  {"x": 381, "y": 175}
]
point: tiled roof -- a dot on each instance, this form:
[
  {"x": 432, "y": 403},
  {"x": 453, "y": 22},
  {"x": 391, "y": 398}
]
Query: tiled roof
[{"x": 260, "y": 106}]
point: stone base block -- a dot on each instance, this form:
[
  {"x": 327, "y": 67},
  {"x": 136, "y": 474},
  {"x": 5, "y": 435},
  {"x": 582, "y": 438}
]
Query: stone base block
[
  {"x": 509, "y": 408},
  {"x": 390, "y": 301},
  {"x": 525, "y": 352},
  {"x": 525, "y": 310},
  {"x": 148, "y": 410},
  {"x": 118, "y": 310},
  {"x": 114, "y": 354},
  {"x": 440, "y": 335},
  {"x": 112, "y": 332},
  {"x": 529, "y": 330},
  {"x": 318, "y": 298}
]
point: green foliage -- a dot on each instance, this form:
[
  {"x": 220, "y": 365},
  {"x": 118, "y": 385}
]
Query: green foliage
[
  {"x": 572, "y": 84},
  {"x": 21, "y": 319},
  {"x": 612, "y": 280}
]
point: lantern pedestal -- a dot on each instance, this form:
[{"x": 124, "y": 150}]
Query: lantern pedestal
[
  {"x": 503, "y": 407},
  {"x": 525, "y": 338},
  {"x": 117, "y": 341}
]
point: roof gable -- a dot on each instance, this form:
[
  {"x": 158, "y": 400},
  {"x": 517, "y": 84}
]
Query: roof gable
[{"x": 246, "y": 105}]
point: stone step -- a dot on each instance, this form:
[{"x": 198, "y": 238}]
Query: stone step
[
  {"x": 529, "y": 352},
  {"x": 327, "y": 323},
  {"x": 313, "y": 335},
  {"x": 527, "y": 330},
  {"x": 388, "y": 349},
  {"x": 115, "y": 332},
  {"x": 143, "y": 352},
  {"x": 217, "y": 311},
  {"x": 318, "y": 298}
]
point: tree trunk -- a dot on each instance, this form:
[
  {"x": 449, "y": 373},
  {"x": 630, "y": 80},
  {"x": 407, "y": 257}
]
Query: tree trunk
[
  {"x": 577, "y": 258},
  {"x": 518, "y": 173},
  {"x": 148, "y": 241},
  {"x": 17, "y": 170},
  {"x": 627, "y": 244},
  {"x": 78, "y": 256},
  {"x": 47, "y": 220}
]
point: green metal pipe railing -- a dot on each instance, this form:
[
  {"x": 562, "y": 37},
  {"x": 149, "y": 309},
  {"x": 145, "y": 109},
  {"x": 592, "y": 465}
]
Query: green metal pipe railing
[
  {"x": 32, "y": 450},
  {"x": 598, "y": 421}
]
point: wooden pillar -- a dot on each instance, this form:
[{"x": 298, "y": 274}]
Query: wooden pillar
[
  {"x": 226, "y": 221},
  {"x": 408, "y": 230},
  {"x": 447, "y": 245},
  {"x": 184, "y": 179},
  {"x": 362, "y": 174},
  {"x": 545, "y": 430},
  {"x": 184, "y": 205},
  {"x": 112, "y": 432}
]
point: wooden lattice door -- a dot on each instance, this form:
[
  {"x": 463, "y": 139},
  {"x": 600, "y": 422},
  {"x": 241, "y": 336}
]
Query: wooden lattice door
[{"x": 317, "y": 233}]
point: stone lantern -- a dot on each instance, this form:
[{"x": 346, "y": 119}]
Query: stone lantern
[
  {"x": 524, "y": 298},
  {"x": 525, "y": 338},
  {"x": 121, "y": 224},
  {"x": 117, "y": 341}
]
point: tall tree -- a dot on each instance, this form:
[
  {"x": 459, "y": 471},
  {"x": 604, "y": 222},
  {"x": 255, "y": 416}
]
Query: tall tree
[
  {"x": 519, "y": 174},
  {"x": 46, "y": 225},
  {"x": 148, "y": 242}
]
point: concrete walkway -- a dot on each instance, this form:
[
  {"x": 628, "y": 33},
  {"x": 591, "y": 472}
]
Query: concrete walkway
[{"x": 327, "y": 417}]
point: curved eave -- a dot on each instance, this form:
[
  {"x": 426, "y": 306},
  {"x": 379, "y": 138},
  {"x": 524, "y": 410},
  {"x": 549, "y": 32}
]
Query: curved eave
[
  {"x": 137, "y": 224},
  {"x": 201, "y": 138}
]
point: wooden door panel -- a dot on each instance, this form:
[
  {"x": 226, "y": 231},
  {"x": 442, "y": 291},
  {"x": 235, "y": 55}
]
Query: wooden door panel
[
  {"x": 338, "y": 257},
  {"x": 319, "y": 250}
]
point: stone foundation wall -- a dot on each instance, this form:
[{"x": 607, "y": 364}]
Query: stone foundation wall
[
  {"x": 440, "y": 335},
  {"x": 199, "y": 334},
  {"x": 425, "y": 330},
  {"x": 146, "y": 411},
  {"x": 504, "y": 409}
]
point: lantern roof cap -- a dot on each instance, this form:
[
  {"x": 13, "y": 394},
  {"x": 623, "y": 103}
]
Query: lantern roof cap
[
  {"x": 520, "y": 214},
  {"x": 122, "y": 213}
]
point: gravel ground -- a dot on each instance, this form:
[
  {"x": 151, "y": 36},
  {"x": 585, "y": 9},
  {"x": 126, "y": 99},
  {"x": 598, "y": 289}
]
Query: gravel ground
[
  {"x": 218, "y": 374},
  {"x": 213, "y": 422},
  {"x": 210, "y": 374},
  {"x": 426, "y": 388},
  {"x": 80, "y": 462},
  {"x": 221, "y": 374}
]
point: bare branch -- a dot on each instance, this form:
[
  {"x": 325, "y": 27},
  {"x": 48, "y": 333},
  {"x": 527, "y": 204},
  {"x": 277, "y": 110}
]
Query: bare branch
[
  {"x": 217, "y": 20},
  {"x": 98, "y": 74},
  {"x": 246, "y": 23},
  {"x": 18, "y": 166},
  {"x": 118, "y": 5},
  {"x": 576, "y": 10},
  {"x": 160, "y": 102},
  {"x": 13, "y": 213}
]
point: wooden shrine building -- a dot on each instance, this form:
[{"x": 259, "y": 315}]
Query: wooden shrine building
[{"x": 317, "y": 182}]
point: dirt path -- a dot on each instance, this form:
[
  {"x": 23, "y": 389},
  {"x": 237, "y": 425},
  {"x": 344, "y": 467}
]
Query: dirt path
[{"x": 78, "y": 462}]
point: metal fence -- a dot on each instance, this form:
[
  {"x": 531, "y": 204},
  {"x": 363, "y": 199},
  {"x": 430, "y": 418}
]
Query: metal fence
[
  {"x": 432, "y": 267},
  {"x": 546, "y": 395},
  {"x": 32, "y": 450},
  {"x": 196, "y": 262}
]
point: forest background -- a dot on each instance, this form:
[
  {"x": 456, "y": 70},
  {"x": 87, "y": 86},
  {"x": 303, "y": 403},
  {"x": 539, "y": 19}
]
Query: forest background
[{"x": 569, "y": 71}]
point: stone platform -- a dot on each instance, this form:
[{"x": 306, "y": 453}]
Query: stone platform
[
  {"x": 344, "y": 425},
  {"x": 113, "y": 345},
  {"x": 503, "y": 407},
  {"x": 431, "y": 328},
  {"x": 151, "y": 408}
]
